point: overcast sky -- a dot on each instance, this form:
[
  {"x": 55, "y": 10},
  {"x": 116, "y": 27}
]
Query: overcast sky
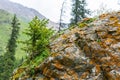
[{"x": 51, "y": 8}]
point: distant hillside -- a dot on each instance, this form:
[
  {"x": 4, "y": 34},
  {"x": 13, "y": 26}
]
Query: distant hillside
[
  {"x": 5, "y": 18},
  {"x": 5, "y": 31},
  {"x": 22, "y": 11},
  {"x": 24, "y": 14}
]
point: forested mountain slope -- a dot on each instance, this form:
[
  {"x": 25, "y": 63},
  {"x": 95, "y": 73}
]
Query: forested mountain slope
[
  {"x": 20, "y": 10},
  {"x": 5, "y": 31},
  {"x": 23, "y": 12}
]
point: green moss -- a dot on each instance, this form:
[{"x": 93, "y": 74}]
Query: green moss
[
  {"x": 86, "y": 22},
  {"x": 98, "y": 40}
]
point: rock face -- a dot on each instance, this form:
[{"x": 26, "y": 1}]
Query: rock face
[{"x": 88, "y": 53}]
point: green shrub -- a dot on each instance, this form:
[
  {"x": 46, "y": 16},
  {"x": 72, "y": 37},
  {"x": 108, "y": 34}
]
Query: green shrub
[{"x": 38, "y": 37}]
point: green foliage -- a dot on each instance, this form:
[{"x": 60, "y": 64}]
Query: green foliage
[
  {"x": 38, "y": 35},
  {"x": 5, "y": 29},
  {"x": 9, "y": 56},
  {"x": 14, "y": 36},
  {"x": 1, "y": 64},
  {"x": 98, "y": 40},
  {"x": 8, "y": 68},
  {"x": 86, "y": 22},
  {"x": 5, "y": 33},
  {"x": 32, "y": 71},
  {"x": 81, "y": 25},
  {"x": 78, "y": 11},
  {"x": 37, "y": 44},
  {"x": 5, "y": 17}
]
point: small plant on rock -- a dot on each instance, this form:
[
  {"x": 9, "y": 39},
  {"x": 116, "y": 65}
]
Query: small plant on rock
[{"x": 38, "y": 37}]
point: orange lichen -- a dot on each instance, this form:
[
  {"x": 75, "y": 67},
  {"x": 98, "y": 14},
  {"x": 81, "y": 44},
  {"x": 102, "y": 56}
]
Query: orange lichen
[
  {"x": 58, "y": 65},
  {"x": 108, "y": 41},
  {"x": 113, "y": 18},
  {"x": 103, "y": 16},
  {"x": 84, "y": 75},
  {"x": 52, "y": 79},
  {"x": 97, "y": 69},
  {"x": 64, "y": 36},
  {"x": 86, "y": 19},
  {"x": 45, "y": 70}
]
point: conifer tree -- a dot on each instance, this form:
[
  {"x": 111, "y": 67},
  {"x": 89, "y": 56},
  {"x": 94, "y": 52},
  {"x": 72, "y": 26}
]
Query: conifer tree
[
  {"x": 9, "y": 57},
  {"x": 1, "y": 64},
  {"x": 39, "y": 36},
  {"x": 78, "y": 11},
  {"x": 11, "y": 46}
]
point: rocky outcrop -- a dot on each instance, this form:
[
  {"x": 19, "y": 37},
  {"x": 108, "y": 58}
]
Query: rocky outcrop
[{"x": 88, "y": 53}]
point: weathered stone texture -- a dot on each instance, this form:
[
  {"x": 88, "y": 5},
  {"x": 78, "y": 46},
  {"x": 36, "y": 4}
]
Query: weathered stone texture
[{"x": 89, "y": 53}]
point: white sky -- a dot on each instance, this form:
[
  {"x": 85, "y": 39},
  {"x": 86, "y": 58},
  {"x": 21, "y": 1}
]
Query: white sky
[{"x": 51, "y": 8}]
